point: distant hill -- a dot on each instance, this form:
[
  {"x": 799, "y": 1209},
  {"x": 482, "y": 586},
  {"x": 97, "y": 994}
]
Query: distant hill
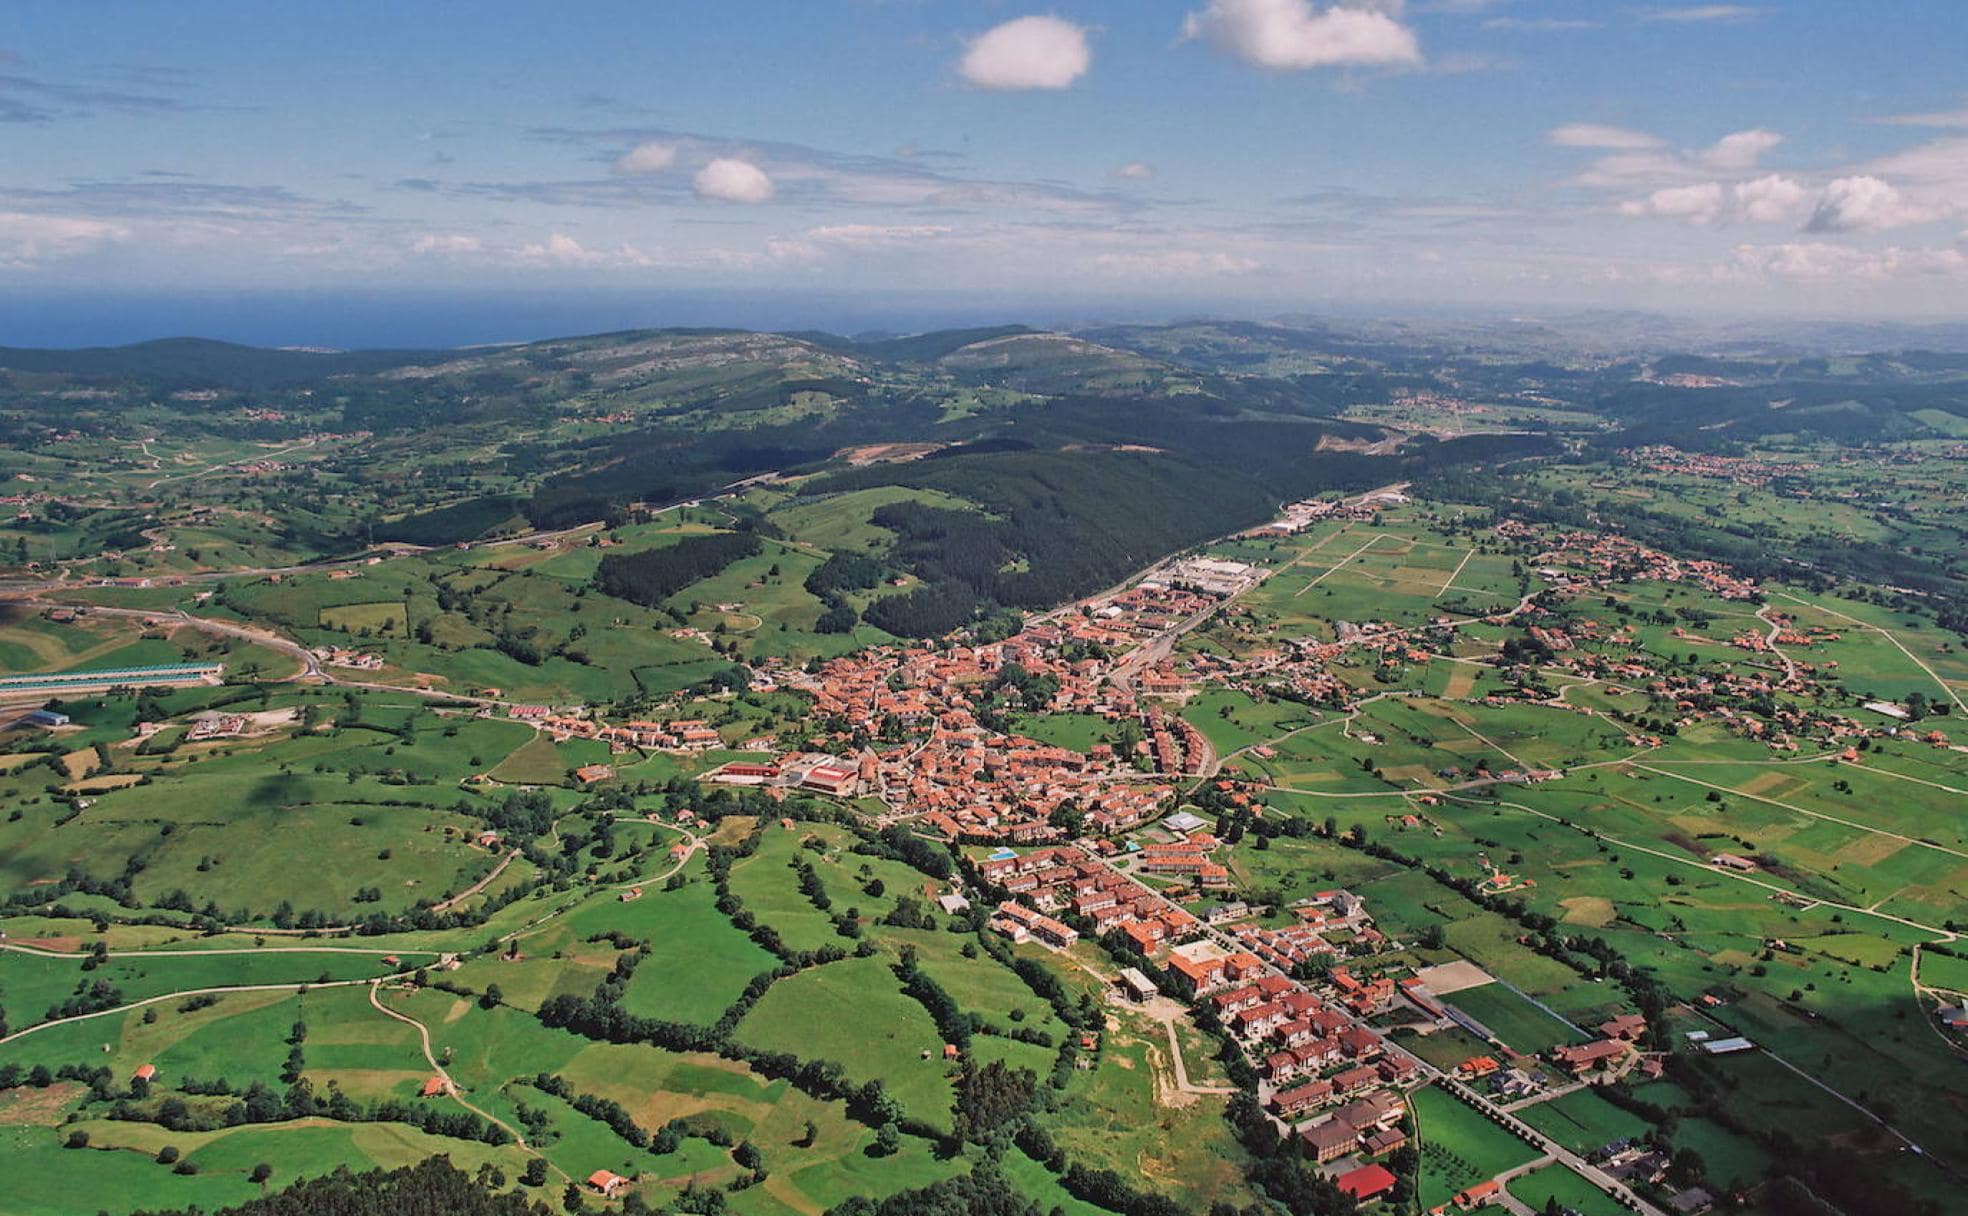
[{"x": 203, "y": 363}]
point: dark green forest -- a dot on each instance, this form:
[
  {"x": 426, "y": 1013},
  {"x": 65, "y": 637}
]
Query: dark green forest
[{"x": 651, "y": 576}]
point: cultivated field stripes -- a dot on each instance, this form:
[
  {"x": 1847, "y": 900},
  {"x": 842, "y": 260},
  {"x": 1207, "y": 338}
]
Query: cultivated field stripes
[
  {"x": 1889, "y": 636},
  {"x": 1798, "y": 810},
  {"x": 1324, "y": 574}
]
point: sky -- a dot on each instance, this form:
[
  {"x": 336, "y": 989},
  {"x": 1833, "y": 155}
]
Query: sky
[{"x": 355, "y": 169}]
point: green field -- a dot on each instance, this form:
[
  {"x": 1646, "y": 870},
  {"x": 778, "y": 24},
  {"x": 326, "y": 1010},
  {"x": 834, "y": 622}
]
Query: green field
[
  {"x": 1583, "y": 1121},
  {"x": 340, "y": 823},
  {"x": 1570, "y": 1190},
  {"x": 1520, "y": 1024},
  {"x": 854, "y": 1012},
  {"x": 1459, "y": 1147}
]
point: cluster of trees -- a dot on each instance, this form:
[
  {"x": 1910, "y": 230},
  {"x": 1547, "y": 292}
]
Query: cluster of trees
[
  {"x": 982, "y": 1192},
  {"x": 261, "y": 1104},
  {"x": 1278, "y": 1167},
  {"x": 846, "y": 572},
  {"x": 992, "y": 1100},
  {"x": 462, "y": 521},
  {"x": 951, "y": 1021},
  {"x": 432, "y": 1185},
  {"x": 651, "y": 576},
  {"x": 1061, "y": 524}
]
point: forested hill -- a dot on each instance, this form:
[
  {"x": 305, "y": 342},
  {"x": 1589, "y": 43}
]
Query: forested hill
[
  {"x": 1061, "y": 523},
  {"x": 1092, "y": 451},
  {"x": 195, "y": 363}
]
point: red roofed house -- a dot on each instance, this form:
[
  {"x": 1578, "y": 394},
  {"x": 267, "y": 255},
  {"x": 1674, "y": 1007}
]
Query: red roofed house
[
  {"x": 432, "y": 1087},
  {"x": 1481, "y": 1195},
  {"x": 145, "y": 1072},
  {"x": 1478, "y": 1066},
  {"x": 1628, "y": 1026},
  {"x": 1367, "y": 1183},
  {"x": 1592, "y": 1055},
  {"x": 831, "y": 779},
  {"x": 607, "y": 1183},
  {"x": 1195, "y": 978}
]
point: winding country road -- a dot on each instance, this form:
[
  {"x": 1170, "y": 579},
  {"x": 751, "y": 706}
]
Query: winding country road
[{"x": 451, "y": 1087}]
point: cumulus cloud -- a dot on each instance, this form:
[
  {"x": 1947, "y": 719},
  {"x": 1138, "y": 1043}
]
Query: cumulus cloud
[
  {"x": 561, "y": 250},
  {"x": 1596, "y": 135},
  {"x": 1772, "y": 199},
  {"x": 1821, "y": 260},
  {"x": 1740, "y": 149},
  {"x": 446, "y": 243},
  {"x": 1866, "y": 204},
  {"x": 29, "y": 236},
  {"x": 1027, "y": 53},
  {"x": 649, "y": 157},
  {"x": 731, "y": 180},
  {"x": 1285, "y": 35},
  {"x": 1700, "y": 204},
  {"x": 1135, "y": 171}
]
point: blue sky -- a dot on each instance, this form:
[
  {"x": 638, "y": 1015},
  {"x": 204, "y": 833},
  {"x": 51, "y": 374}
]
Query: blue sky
[{"x": 1254, "y": 156}]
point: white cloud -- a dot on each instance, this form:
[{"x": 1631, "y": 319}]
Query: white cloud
[
  {"x": 561, "y": 250},
  {"x": 1772, "y": 199},
  {"x": 1702, "y": 204},
  {"x": 652, "y": 157},
  {"x": 1689, "y": 14},
  {"x": 1543, "y": 24},
  {"x": 1866, "y": 204},
  {"x": 446, "y": 243},
  {"x": 1595, "y": 135},
  {"x": 28, "y": 236},
  {"x": 1707, "y": 186},
  {"x": 1292, "y": 34},
  {"x": 1740, "y": 150},
  {"x": 864, "y": 236},
  {"x": 1135, "y": 171},
  {"x": 730, "y": 180},
  {"x": 1932, "y": 118},
  {"x": 1940, "y": 165},
  {"x": 1821, "y": 260},
  {"x": 1027, "y": 53},
  {"x": 1175, "y": 263}
]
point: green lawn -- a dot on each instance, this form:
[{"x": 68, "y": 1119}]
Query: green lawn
[
  {"x": 1513, "y": 1019},
  {"x": 699, "y": 962},
  {"x": 1583, "y": 1121},
  {"x": 1571, "y": 1190},
  {"x": 854, "y": 1013},
  {"x": 1079, "y": 732},
  {"x": 1459, "y": 1147}
]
